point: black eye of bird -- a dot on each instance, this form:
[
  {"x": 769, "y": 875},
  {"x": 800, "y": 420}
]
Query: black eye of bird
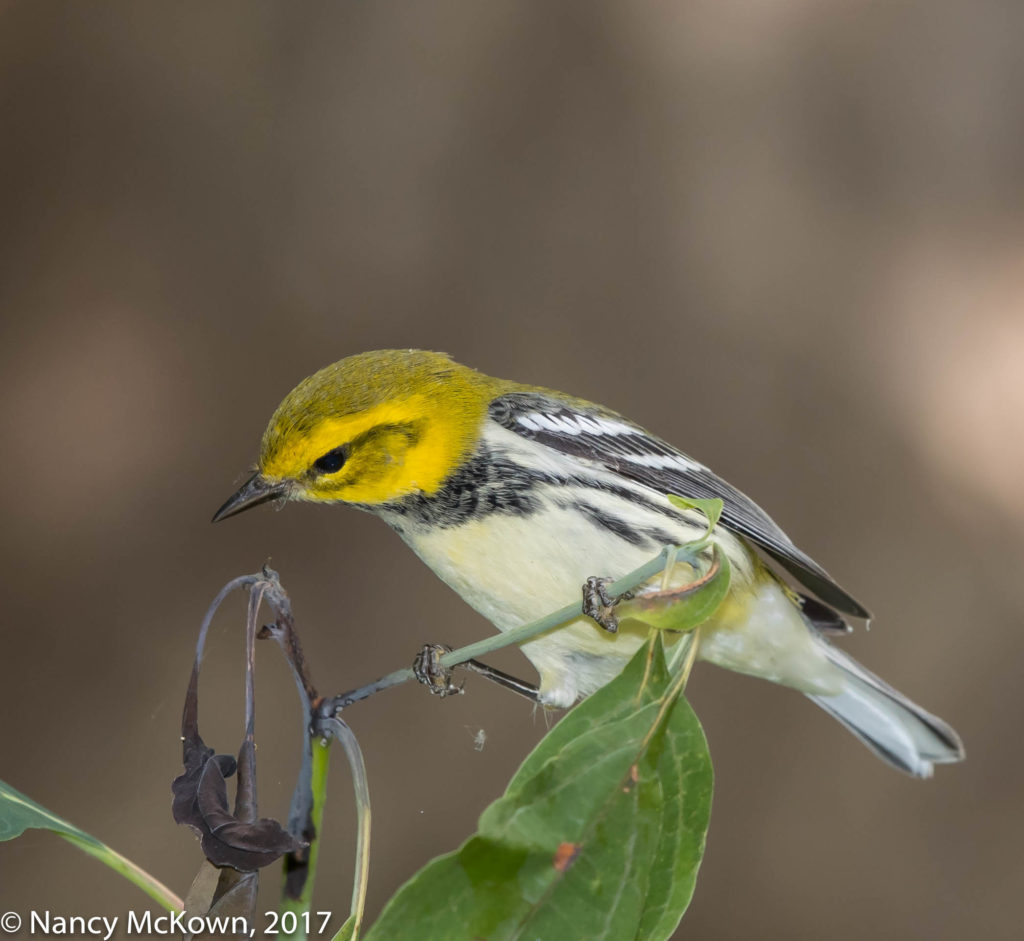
[{"x": 332, "y": 461}]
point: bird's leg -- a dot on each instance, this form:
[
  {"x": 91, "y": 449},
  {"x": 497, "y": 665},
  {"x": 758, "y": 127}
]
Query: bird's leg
[
  {"x": 599, "y": 605},
  {"x": 429, "y": 670},
  {"x": 504, "y": 679}
]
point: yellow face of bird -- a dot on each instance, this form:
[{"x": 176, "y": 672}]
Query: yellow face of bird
[{"x": 375, "y": 427}]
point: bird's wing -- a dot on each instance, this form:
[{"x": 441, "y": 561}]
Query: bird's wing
[{"x": 593, "y": 434}]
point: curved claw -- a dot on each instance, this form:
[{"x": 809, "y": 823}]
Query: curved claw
[
  {"x": 598, "y": 604},
  {"x": 429, "y": 670}
]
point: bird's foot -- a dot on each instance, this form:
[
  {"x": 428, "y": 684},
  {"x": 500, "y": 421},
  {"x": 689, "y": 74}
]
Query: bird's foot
[
  {"x": 429, "y": 670},
  {"x": 599, "y": 605}
]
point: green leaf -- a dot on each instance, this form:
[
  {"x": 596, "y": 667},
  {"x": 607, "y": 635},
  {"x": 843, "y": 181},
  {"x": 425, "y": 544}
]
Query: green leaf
[
  {"x": 18, "y": 813},
  {"x": 685, "y": 608},
  {"x": 598, "y": 836},
  {"x": 711, "y": 508}
]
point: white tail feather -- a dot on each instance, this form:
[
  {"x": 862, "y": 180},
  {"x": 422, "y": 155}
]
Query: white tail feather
[{"x": 897, "y": 730}]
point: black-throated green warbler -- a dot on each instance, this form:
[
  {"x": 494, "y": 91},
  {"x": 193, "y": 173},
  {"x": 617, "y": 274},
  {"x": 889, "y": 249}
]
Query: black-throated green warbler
[{"x": 516, "y": 495}]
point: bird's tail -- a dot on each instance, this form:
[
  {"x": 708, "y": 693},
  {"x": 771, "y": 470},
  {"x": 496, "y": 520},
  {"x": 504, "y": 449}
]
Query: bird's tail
[{"x": 897, "y": 730}]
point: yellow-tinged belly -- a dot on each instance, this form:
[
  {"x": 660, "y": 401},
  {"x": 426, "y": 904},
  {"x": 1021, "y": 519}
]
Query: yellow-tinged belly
[{"x": 515, "y": 569}]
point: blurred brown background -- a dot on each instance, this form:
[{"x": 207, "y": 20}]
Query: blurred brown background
[{"x": 787, "y": 236}]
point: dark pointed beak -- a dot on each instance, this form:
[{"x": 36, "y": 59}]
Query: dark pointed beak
[{"x": 253, "y": 492}]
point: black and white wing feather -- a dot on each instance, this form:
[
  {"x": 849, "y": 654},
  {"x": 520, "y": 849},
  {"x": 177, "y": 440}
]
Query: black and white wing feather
[{"x": 613, "y": 442}]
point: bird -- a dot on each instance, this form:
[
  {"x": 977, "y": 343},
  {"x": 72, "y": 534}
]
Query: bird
[{"x": 518, "y": 497}]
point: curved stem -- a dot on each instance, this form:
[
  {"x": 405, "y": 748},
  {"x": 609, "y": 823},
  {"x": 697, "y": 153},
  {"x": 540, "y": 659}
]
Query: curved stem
[
  {"x": 361, "y": 786},
  {"x": 154, "y": 888}
]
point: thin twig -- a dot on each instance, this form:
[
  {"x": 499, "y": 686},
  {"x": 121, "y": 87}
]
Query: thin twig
[{"x": 518, "y": 635}]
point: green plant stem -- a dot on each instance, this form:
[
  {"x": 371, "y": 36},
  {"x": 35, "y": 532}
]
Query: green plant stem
[
  {"x": 318, "y": 784},
  {"x": 517, "y": 635},
  {"x": 155, "y": 889},
  {"x": 360, "y": 785}
]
